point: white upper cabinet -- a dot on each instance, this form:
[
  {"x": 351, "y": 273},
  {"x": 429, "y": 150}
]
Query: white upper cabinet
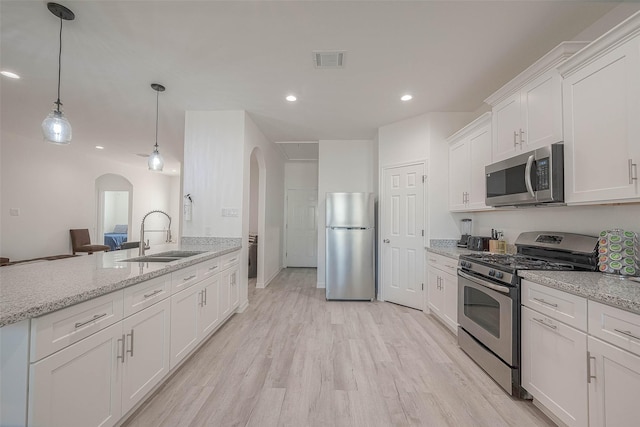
[
  {"x": 527, "y": 111},
  {"x": 469, "y": 153},
  {"x": 601, "y": 90}
]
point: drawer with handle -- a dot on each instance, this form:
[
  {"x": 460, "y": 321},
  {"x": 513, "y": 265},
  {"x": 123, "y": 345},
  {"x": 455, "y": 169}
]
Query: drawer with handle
[
  {"x": 229, "y": 260},
  {"x": 209, "y": 268},
  {"x": 568, "y": 308},
  {"x": 145, "y": 294},
  {"x": 182, "y": 279},
  {"x": 443, "y": 263},
  {"x": 57, "y": 330},
  {"x": 617, "y": 327}
]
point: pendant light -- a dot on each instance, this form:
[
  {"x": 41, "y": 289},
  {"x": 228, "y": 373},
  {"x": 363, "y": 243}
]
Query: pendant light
[
  {"x": 55, "y": 127},
  {"x": 156, "y": 163}
]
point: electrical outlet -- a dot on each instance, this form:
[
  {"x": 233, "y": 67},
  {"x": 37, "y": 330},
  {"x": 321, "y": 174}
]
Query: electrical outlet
[
  {"x": 230, "y": 212},
  {"x": 14, "y": 211}
]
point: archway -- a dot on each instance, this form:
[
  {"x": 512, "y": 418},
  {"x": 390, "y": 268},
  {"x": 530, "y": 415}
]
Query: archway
[
  {"x": 114, "y": 200},
  {"x": 257, "y": 195}
]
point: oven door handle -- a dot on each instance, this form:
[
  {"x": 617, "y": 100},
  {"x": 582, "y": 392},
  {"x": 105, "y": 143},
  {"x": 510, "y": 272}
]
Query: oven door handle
[
  {"x": 527, "y": 176},
  {"x": 489, "y": 285}
]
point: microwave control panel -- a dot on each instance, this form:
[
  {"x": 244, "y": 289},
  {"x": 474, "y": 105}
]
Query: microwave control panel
[{"x": 542, "y": 174}]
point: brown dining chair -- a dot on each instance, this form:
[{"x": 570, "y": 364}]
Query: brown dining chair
[{"x": 81, "y": 242}]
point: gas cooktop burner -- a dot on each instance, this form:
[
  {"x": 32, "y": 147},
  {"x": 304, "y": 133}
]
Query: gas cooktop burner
[{"x": 518, "y": 262}]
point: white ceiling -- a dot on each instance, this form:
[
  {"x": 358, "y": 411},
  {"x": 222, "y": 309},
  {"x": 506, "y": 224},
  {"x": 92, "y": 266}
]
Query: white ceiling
[{"x": 242, "y": 55}]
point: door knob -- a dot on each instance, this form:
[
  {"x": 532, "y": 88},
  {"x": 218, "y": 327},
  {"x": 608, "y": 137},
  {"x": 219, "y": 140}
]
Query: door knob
[{"x": 386, "y": 241}]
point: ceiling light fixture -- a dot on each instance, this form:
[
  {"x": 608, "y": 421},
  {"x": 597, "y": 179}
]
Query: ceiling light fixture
[
  {"x": 99, "y": 147},
  {"x": 406, "y": 97},
  {"x": 156, "y": 163},
  {"x": 55, "y": 127},
  {"x": 291, "y": 98},
  {"x": 9, "y": 74}
]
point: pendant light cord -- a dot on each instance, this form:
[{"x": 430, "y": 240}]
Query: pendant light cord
[
  {"x": 58, "y": 103},
  {"x": 157, "y": 101}
]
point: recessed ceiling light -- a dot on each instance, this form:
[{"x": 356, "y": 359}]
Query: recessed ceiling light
[
  {"x": 291, "y": 98},
  {"x": 406, "y": 97},
  {"x": 99, "y": 147},
  {"x": 9, "y": 74}
]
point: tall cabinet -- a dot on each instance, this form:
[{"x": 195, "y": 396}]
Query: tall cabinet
[
  {"x": 601, "y": 118},
  {"x": 469, "y": 153}
]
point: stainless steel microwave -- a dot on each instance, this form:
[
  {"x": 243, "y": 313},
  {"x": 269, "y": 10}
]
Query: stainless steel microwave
[{"x": 531, "y": 178}]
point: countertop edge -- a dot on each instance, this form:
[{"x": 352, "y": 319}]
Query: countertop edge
[
  {"x": 55, "y": 305},
  {"x": 596, "y": 295}
]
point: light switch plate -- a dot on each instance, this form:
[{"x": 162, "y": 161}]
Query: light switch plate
[
  {"x": 14, "y": 211},
  {"x": 230, "y": 212}
]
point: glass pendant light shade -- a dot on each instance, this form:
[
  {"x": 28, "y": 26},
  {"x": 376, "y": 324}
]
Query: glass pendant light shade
[
  {"x": 56, "y": 129},
  {"x": 156, "y": 162}
]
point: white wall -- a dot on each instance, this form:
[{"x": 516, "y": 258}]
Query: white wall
[
  {"x": 271, "y": 238},
  {"x": 54, "y": 188},
  {"x": 254, "y": 175},
  {"x": 347, "y": 166},
  {"x": 301, "y": 175},
  {"x": 213, "y": 159},
  {"x": 424, "y": 138}
]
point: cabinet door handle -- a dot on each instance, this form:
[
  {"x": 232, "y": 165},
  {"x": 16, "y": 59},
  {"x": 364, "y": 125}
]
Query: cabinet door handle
[
  {"x": 589, "y": 376},
  {"x": 432, "y": 260},
  {"x": 631, "y": 167},
  {"x": 542, "y": 322},
  {"x": 201, "y": 298},
  {"x": 156, "y": 292},
  {"x": 204, "y": 294},
  {"x": 213, "y": 268},
  {"x": 628, "y": 333},
  {"x": 95, "y": 317},
  {"x": 515, "y": 138},
  {"x": 386, "y": 241},
  {"x": 189, "y": 278},
  {"x": 130, "y": 351},
  {"x": 121, "y": 355},
  {"x": 521, "y": 137},
  {"x": 545, "y": 302}
]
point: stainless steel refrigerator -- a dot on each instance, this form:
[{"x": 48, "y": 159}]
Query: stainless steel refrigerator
[{"x": 350, "y": 257}]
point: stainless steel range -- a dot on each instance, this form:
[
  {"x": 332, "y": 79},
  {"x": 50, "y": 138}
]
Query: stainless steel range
[{"x": 489, "y": 297}]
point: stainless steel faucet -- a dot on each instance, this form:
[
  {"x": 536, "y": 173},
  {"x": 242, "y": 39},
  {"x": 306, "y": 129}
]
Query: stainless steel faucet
[{"x": 168, "y": 231}]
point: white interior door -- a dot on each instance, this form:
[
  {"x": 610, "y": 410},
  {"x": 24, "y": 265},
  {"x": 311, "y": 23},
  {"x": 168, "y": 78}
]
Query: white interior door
[
  {"x": 402, "y": 232},
  {"x": 302, "y": 228}
]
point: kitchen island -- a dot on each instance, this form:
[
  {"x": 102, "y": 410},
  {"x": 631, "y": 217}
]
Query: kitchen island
[{"x": 85, "y": 340}]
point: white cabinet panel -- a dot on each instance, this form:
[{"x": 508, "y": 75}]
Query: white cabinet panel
[
  {"x": 79, "y": 385},
  {"x": 541, "y": 107},
  {"x": 554, "y": 366},
  {"x": 209, "y": 316},
  {"x": 147, "y": 341},
  {"x": 506, "y": 127},
  {"x": 614, "y": 385},
  {"x": 185, "y": 306},
  {"x": 601, "y": 110}
]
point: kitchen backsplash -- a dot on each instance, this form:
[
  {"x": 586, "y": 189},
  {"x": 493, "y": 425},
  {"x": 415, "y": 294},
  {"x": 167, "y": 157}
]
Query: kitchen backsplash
[
  {"x": 442, "y": 243},
  {"x": 211, "y": 240}
]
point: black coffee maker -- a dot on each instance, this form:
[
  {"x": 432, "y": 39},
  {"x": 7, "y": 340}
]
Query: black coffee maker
[{"x": 465, "y": 229}]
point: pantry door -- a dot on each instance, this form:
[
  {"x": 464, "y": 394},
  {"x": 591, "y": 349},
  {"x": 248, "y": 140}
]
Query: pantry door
[
  {"x": 302, "y": 228},
  {"x": 402, "y": 234}
]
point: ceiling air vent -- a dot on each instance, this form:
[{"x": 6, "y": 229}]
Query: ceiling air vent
[{"x": 329, "y": 59}]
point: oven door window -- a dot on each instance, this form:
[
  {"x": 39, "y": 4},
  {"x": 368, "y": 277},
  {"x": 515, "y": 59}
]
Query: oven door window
[{"x": 482, "y": 309}]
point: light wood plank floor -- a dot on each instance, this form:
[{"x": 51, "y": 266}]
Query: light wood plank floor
[{"x": 294, "y": 359}]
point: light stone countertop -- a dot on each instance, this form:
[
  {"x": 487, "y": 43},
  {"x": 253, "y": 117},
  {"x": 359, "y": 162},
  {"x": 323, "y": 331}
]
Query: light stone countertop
[
  {"x": 610, "y": 290},
  {"x": 32, "y": 289},
  {"x": 450, "y": 251}
]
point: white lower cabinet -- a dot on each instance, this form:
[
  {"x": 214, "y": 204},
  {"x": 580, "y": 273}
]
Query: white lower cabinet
[
  {"x": 442, "y": 290},
  {"x": 146, "y": 361},
  {"x": 613, "y": 386},
  {"x": 98, "y": 379},
  {"x": 209, "y": 311},
  {"x": 554, "y": 366},
  {"x": 185, "y": 306},
  {"x": 79, "y": 385}
]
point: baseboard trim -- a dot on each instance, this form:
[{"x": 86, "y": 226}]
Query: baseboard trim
[
  {"x": 242, "y": 307},
  {"x": 266, "y": 283}
]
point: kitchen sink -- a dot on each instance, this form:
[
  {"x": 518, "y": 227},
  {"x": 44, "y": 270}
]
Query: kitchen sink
[{"x": 168, "y": 256}]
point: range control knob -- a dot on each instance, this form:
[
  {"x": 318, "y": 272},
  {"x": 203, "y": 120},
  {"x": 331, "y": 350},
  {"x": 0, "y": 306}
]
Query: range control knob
[
  {"x": 499, "y": 274},
  {"x": 492, "y": 272}
]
